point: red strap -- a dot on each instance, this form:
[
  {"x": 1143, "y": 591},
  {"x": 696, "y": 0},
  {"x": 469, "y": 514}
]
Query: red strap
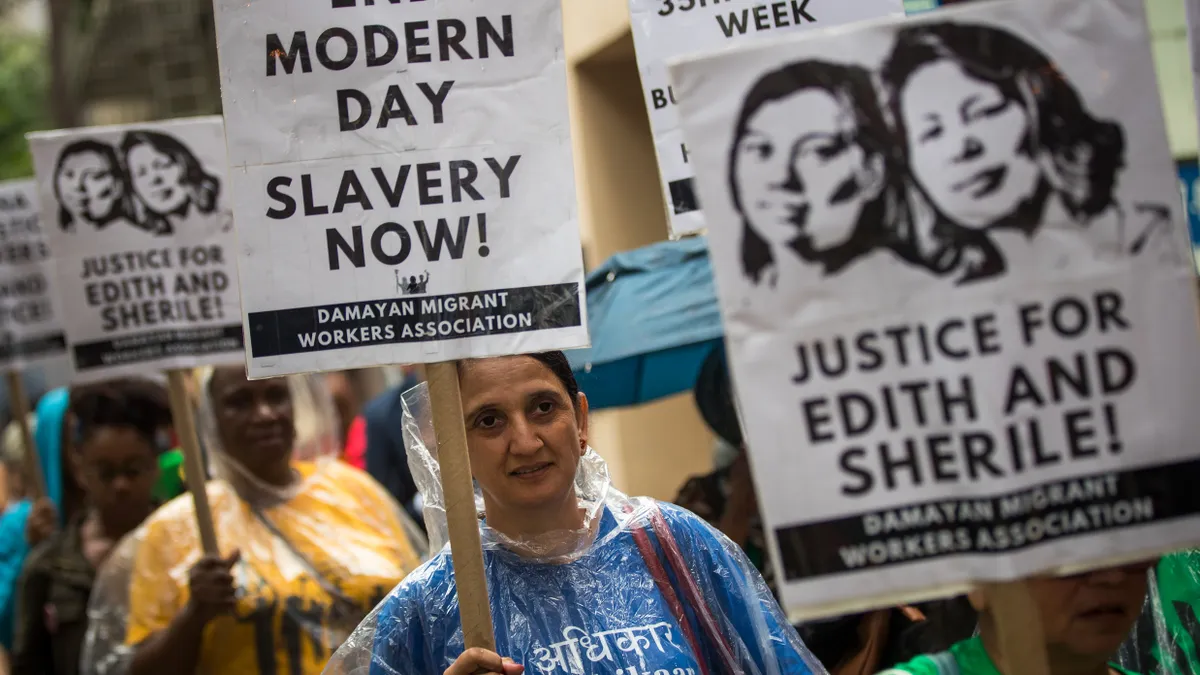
[
  {"x": 668, "y": 592},
  {"x": 694, "y": 597}
]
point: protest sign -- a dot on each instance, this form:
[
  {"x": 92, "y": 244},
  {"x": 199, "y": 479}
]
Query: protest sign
[
  {"x": 1192, "y": 8},
  {"x": 664, "y": 29},
  {"x": 143, "y": 244},
  {"x": 30, "y": 330},
  {"x": 403, "y": 188},
  {"x": 960, "y": 304}
]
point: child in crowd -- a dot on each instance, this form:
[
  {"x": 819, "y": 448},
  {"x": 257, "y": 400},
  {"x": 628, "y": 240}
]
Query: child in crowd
[{"x": 116, "y": 440}]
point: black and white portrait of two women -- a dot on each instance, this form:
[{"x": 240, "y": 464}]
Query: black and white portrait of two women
[
  {"x": 967, "y": 155},
  {"x": 149, "y": 180}
]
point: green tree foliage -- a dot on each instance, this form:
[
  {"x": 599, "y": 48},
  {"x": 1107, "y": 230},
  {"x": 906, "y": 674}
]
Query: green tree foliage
[{"x": 24, "y": 105}]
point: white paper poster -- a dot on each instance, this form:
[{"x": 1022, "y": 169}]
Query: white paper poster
[
  {"x": 665, "y": 29},
  {"x": 403, "y": 186},
  {"x": 1193, "y": 25},
  {"x": 30, "y": 330},
  {"x": 138, "y": 219},
  {"x": 960, "y": 306}
]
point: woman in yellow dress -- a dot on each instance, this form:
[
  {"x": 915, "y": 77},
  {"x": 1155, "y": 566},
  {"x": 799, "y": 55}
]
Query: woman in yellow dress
[{"x": 308, "y": 546}]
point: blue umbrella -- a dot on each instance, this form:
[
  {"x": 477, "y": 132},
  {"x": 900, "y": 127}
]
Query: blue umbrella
[{"x": 653, "y": 319}]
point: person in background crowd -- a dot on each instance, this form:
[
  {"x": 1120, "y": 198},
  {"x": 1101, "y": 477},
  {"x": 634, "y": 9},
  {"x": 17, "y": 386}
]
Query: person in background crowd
[
  {"x": 345, "y": 402},
  {"x": 117, "y": 439},
  {"x": 386, "y": 458},
  {"x": 24, "y": 525},
  {"x": 170, "y": 474},
  {"x": 567, "y": 557},
  {"x": 355, "y": 453},
  {"x": 1084, "y": 619},
  {"x": 726, "y": 498},
  {"x": 13, "y": 547},
  {"x": 857, "y": 644},
  {"x": 308, "y": 547},
  {"x": 64, "y": 498}
]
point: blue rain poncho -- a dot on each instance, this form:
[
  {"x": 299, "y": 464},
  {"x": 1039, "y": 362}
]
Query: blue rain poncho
[{"x": 645, "y": 588}]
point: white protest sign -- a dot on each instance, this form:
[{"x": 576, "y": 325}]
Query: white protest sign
[
  {"x": 143, "y": 243},
  {"x": 960, "y": 306},
  {"x": 665, "y": 29},
  {"x": 404, "y": 189},
  {"x": 30, "y": 330},
  {"x": 1192, "y": 7}
]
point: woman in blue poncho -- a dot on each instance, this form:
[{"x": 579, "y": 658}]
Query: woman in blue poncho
[{"x": 581, "y": 578}]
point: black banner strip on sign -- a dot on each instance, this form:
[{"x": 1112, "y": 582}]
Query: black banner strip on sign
[
  {"x": 683, "y": 196},
  {"x": 985, "y": 525},
  {"x": 414, "y": 318},
  {"x": 158, "y": 345},
  {"x": 29, "y": 349}
]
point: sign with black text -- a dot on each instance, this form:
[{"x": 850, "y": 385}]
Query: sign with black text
[
  {"x": 665, "y": 29},
  {"x": 404, "y": 188},
  {"x": 959, "y": 295},
  {"x": 30, "y": 329},
  {"x": 143, "y": 241}
]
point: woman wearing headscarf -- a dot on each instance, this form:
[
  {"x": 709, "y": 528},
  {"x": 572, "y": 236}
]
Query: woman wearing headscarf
[
  {"x": 64, "y": 496},
  {"x": 581, "y": 578},
  {"x": 308, "y": 546}
]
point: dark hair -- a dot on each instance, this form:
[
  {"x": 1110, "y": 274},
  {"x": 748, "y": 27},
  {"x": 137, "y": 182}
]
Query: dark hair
[
  {"x": 131, "y": 402},
  {"x": 1063, "y": 125},
  {"x": 203, "y": 187},
  {"x": 557, "y": 362},
  {"x": 715, "y": 399},
  {"x": 120, "y": 206},
  {"x": 850, "y": 85}
]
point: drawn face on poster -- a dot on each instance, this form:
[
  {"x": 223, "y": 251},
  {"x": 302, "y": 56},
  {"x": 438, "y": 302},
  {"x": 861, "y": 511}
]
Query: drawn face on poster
[
  {"x": 89, "y": 186},
  {"x": 804, "y": 178},
  {"x": 983, "y": 135},
  {"x": 150, "y": 179},
  {"x": 994, "y": 132}
]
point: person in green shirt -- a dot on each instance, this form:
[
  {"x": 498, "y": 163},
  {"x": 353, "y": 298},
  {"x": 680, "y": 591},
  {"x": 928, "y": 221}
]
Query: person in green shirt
[
  {"x": 1085, "y": 618},
  {"x": 170, "y": 476}
]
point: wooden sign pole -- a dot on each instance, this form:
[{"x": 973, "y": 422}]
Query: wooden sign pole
[
  {"x": 459, "y": 492},
  {"x": 19, "y": 404},
  {"x": 1020, "y": 628},
  {"x": 197, "y": 477}
]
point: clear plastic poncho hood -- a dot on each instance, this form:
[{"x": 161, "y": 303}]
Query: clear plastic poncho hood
[
  {"x": 1166, "y": 638},
  {"x": 315, "y": 556},
  {"x": 645, "y": 588}
]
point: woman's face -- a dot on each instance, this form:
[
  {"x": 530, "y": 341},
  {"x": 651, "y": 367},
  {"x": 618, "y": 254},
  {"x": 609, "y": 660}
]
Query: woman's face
[
  {"x": 117, "y": 467},
  {"x": 525, "y": 436},
  {"x": 965, "y": 140},
  {"x": 254, "y": 418},
  {"x": 1088, "y": 616},
  {"x": 157, "y": 179},
  {"x": 801, "y": 178},
  {"x": 88, "y": 186}
]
